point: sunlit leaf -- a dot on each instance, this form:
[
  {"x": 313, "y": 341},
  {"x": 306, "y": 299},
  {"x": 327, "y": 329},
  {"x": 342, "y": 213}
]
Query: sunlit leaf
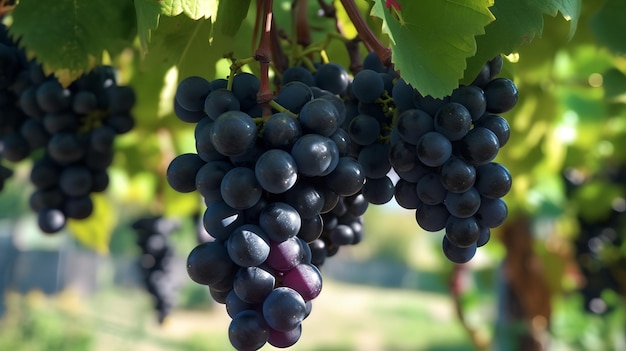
[
  {"x": 95, "y": 231},
  {"x": 433, "y": 39}
]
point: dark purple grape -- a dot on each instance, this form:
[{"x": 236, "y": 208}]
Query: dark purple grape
[
  {"x": 280, "y": 221},
  {"x": 462, "y": 232},
  {"x": 284, "y": 309},
  {"x": 332, "y": 77},
  {"x": 501, "y": 94},
  {"x": 248, "y": 331},
  {"x": 319, "y": 116},
  {"x": 253, "y": 284},
  {"x": 233, "y": 133},
  {"x": 457, "y": 254},
  {"x": 463, "y": 205},
  {"x": 191, "y": 93},
  {"x": 493, "y": 180},
  {"x": 453, "y": 120},
  {"x": 248, "y": 246},
  {"x": 209, "y": 263},
  {"x": 367, "y": 85},
  {"x": 276, "y": 171},
  {"x": 432, "y": 218},
  {"x": 240, "y": 189},
  {"x": 433, "y": 149},
  {"x": 306, "y": 279},
  {"x": 479, "y": 146},
  {"x": 181, "y": 172},
  {"x": 498, "y": 125}
]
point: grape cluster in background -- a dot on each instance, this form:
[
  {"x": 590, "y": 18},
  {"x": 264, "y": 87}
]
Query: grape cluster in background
[
  {"x": 599, "y": 242},
  {"x": 156, "y": 262},
  {"x": 69, "y": 132},
  {"x": 285, "y": 191}
]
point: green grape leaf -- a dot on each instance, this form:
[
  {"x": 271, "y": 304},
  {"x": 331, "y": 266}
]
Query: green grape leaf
[
  {"x": 231, "y": 14},
  {"x": 148, "y": 13},
  {"x": 95, "y": 231},
  {"x": 69, "y": 37},
  {"x": 179, "y": 41},
  {"x": 608, "y": 26},
  {"x": 194, "y": 9},
  {"x": 431, "y": 40},
  {"x": 614, "y": 83},
  {"x": 517, "y": 23}
]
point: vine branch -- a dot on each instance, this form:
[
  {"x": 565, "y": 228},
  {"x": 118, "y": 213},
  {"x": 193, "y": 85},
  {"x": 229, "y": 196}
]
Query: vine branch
[
  {"x": 263, "y": 55},
  {"x": 365, "y": 33}
]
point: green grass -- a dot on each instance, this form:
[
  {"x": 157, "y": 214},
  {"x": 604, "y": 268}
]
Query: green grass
[{"x": 345, "y": 317}]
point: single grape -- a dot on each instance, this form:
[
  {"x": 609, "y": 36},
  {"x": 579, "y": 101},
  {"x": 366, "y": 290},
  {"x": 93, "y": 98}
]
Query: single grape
[
  {"x": 430, "y": 190},
  {"x": 248, "y": 246},
  {"x": 473, "y": 98},
  {"x": 276, "y": 171},
  {"x": 332, "y": 77},
  {"x": 453, "y": 120},
  {"x": 280, "y": 221},
  {"x": 479, "y": 146},
  {"x": 319, "y": 116},
  {"x": 412, "y": 124},
  {"x": 315, "y": 155},
  {"x": 248, "y": 331},
  {"x": 457, "y": 254},
  {"x": 191, "y": 93},
  {"x": 463, "y": 205},
  {"x": 209, "y": 262},
  {"x": 367, "y": 85},
  {"x": 253, "y": 284},
  {"x": 462, "y": 232},
  {"x": 240, "y": 189},
  {"x": 433, "y": 149},
  {"x": 220, "y": 101},
  {"x": 501, "y": 95},
  {"x": 432, "y": 218},
  {"x": 364, "y": 129},
  {"x": 306, "y": 279},
  {"x": 493, "y": 180},
  {"x": 294, "y": 95},
  {"x": 50, "y": 220},
  {"x": 284, "y": 309},
  {"x": 498, "y": 125},
  {"x": 233, "y": 133},
  {"x": 181, "y": 172},
  {"x": 281, "y": 131},
  {"x": 457, "y": 175}
]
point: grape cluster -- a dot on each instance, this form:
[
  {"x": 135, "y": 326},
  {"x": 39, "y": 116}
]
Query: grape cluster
[
  {"x": 283, "y": 192},
  {"x": 74, "y": 126},
  {"x": 156, "y": 263},
  {"x": 599, "y": 240},
  {"x": 442, "y": 151}
]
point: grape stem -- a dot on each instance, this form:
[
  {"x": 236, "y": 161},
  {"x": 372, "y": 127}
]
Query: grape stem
[
  {"x": 365, "y": 33},
  {"x": 300, "y": 22},
  {"x": 263, "y": 55},
  {"x": 276, "y": 106}
]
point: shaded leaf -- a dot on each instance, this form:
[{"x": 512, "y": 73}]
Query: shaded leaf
[
  {"x": 68, "y": 35},
  {"x": 148, "y": 12},
  {"x": 517, "y": 23},
  {"x": 608, "y": 25}
]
